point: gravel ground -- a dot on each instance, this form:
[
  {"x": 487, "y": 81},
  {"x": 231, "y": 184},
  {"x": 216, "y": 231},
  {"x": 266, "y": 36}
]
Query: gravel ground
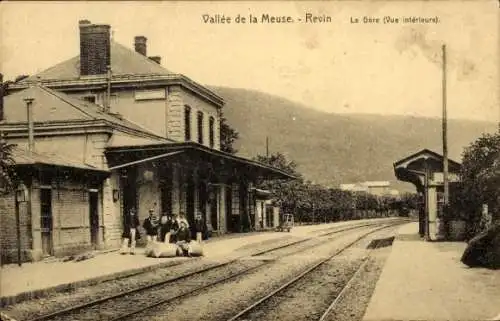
[
  {"x": 279, "y": 271},
  {"x": 30, "y": 309},
  {"x": 123, "y": 305},
  {"x": 353, "y": 304},
  {"x": 271, "y": 242},
  {"x": 310, "y": 296},
  {"x": 56, "y": 301},
  {"x": 221, "y": 301}
]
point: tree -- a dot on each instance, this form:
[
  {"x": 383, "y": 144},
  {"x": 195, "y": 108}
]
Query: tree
[
  {"x": 280, "y": 161},
  {"x": 289, "y": 194},
  {"x": 228, "y": 136},
  {"x": 7, "y": 174},
  {"x": 480, "y": 181}
]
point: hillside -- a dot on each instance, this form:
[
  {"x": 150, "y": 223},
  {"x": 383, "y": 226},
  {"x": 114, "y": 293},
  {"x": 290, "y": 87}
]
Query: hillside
[{"x": 338, "y": 148}]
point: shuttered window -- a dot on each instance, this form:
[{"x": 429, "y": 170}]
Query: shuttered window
[
  {"x": 200, "y": 127},
  {"x": 187, "y": 123},
  {"x": 212, "y": 134}
]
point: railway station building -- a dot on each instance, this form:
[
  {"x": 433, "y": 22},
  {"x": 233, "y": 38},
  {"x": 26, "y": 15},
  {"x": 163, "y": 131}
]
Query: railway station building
[
  {"x": 424, "y": 170},
  {"x": 112, "y": 130}
]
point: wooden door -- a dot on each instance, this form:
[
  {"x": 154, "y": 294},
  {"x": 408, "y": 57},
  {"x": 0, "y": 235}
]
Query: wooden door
[{"x": 46, "y": 220}]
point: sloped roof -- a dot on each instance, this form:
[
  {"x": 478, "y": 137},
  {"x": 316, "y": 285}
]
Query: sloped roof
[
  {"x": 116, "y": 155},
  {"x": 124, "y": 61},
  {"x": 53, "y": 106},
  {"x": 119, "y": 139},
  {"x": 22, "y": 157},
  {"x": 425, "y": 153}
]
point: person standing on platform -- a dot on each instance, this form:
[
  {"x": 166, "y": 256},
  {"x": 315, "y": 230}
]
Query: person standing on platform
[
  {"x": 130, "y": 232},
  {"x": 151, "y": 226},
  {"x": 200, "y": 228},
  {"x": 183, "y": 237}
]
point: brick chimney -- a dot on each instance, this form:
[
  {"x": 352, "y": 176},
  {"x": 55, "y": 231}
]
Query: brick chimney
[
  {"x": 156, "y": 59},
  {"x": 95, "y": 51},
  {"x": 140, "y": 45}
]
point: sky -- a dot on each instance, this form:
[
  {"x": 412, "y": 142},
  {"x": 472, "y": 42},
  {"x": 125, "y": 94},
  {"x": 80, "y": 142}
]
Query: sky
[{"x": 337, "y": 66}]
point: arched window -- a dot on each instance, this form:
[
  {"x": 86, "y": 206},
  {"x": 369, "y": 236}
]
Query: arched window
[
  {"x": 212, "y": 133},
  {"x": 200, "y": 127},
  {"x": 187, "y": 123}
]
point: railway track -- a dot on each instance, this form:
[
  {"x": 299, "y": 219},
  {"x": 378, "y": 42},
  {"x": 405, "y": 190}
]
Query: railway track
[
  {"x": 253, "y": 308},
  {"x": 333, "y": 228},
  {"x": 233, "y": 268},
  {"x": 326, "y": 314}
]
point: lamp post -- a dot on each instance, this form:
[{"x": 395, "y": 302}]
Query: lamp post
[{"x": 19, "y": 197}]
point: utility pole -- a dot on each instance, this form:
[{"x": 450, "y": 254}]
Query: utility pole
[
  {"x": 440, "y": 221},
  {"x": 445, "y": 138},
  {"x": 267, "y": 146},
  {"x": 2, "y": 89}
]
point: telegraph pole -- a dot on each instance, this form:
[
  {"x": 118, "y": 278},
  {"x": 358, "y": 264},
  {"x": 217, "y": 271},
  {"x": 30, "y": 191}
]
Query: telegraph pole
[
  {"x": 445, "y": 138},
  {"x": 267, "y": 147},
  {"x": 440, "y": 221}
]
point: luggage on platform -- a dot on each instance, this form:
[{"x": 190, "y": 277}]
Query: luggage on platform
[
  {"x": 149, "y": 248},
  {"x": 195, "y": 249},
  {"x": 163, "y": 250}
]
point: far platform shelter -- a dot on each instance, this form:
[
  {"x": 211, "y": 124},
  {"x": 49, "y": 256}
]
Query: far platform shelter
[{"x": 424, "y": 169}]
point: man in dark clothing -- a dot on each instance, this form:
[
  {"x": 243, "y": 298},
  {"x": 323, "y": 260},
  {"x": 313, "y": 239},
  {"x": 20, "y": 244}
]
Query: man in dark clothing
[
  {"x": 169, "y": 225},
  {"x": 130, "y": 232},
  {"x": 200, "y": 227},
  {"x": 183, "y": 237},
  {"x": 151, "y": 226}
]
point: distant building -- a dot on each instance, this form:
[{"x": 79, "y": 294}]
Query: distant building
[
  {"x": 378, "y": 188},
  {"x": 266, "y": 214},
  {"x": 356, "y": 187}
]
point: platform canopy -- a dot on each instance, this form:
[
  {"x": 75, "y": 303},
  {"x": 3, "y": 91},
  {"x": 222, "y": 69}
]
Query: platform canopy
[
  {"x": 412, "y": 168},
  {"x": 192, "y": 155}
]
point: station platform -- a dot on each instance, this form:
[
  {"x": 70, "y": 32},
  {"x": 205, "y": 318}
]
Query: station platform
[
  {"x": 40, "y": 278},
  {"x": 426, "y": 281}
]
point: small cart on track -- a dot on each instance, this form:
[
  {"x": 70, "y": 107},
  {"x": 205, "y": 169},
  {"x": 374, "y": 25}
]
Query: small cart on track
[{"x": 286, "y": 223}]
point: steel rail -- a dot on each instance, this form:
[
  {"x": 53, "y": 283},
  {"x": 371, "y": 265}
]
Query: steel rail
[
  {"x": 155, "y": 284},
  {"x": 82, "y": 306},
  {"x": 164, "y": 301},
  {"x": 304, "y": 273},
  {"x": 346, "y": 287},
  {"x": 216, "y": 282},
  {"x": 381, "y": 221}
]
